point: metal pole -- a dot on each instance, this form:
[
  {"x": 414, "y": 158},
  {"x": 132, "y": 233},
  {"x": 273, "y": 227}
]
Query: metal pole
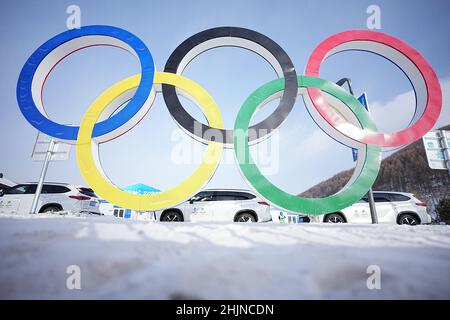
[
  {"x": 445, "y": 146},
  {"x": 373, "y": 209},
  {"x": 48, "y": 157}
]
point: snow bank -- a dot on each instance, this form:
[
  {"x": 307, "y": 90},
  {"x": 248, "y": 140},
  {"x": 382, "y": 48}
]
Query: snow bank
[{"x": 134, "y": 259}]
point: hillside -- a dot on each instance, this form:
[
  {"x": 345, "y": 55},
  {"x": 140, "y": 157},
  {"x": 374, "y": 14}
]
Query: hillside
[{"x": 405, "y": 170}]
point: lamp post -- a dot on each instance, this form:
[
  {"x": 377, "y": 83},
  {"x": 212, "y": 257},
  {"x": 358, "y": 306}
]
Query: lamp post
[{"x": 373, "y": 209}]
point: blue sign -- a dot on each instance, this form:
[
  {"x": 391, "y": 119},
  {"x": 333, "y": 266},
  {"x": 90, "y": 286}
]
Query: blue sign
[
  {"x": 363, "y": 100},
  {"x": 140, "y": 188}
]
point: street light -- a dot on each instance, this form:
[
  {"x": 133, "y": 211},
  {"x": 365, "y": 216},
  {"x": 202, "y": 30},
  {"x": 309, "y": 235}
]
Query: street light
[{"x": 373, "y": 210}]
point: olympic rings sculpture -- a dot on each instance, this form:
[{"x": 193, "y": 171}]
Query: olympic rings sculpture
[{"x": 337, "y": 113}]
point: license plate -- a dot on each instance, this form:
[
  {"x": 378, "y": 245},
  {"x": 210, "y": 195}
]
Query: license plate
[{"x": 93, "y": 203}]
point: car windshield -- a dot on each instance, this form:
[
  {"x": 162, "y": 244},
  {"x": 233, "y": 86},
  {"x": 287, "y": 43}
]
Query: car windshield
[
  {"x": 202, "y": 196},
  {"x": 19, "y": 189}
]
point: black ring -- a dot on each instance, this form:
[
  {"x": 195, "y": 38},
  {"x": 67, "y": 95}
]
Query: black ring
[{"x": 253, "y": 41}]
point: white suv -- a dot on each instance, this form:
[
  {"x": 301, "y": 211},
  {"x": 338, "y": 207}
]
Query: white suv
[
  {"x": 219, "y": 205},
  {"x": 392, "y": 207},
  {"x": 54, "y": 197}
]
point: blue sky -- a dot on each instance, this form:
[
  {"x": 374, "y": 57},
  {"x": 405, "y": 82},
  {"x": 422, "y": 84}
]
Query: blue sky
[{"x": 306, "y": 155}]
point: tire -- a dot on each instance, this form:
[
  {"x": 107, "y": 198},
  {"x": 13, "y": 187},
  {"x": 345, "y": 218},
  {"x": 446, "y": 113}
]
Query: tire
[
  {"x": 408, "y": 219},
  {"x": 244, "y": 217},
  {"x": 334, "y": 218},
  {"x": 51, "y": 209},
  {"x": 172, "y": 216}
]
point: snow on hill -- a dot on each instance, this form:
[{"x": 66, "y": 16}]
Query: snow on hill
[{"x": 132, "y": 259}]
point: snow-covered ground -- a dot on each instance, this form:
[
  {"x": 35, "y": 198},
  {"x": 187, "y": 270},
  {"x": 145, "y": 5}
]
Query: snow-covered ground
[{"x": 132, "y": 259}]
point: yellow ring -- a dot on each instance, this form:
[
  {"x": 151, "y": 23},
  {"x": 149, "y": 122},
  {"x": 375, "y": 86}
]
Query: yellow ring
[{"x": 105, "y": 189}]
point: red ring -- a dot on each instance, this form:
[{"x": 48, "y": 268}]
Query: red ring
[{"x": 434, "y": 95}]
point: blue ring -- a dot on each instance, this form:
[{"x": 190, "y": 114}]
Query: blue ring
[{"x": 56, "y": 130}]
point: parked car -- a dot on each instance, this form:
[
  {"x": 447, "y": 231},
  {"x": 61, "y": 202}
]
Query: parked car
[
  {"x": 219, "y": 205},
  {"x": 54, "y": 197},
  {"x": 391, "y": 207}
]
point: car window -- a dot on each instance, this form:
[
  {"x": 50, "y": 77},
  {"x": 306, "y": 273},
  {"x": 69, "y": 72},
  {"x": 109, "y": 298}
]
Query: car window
[
  {"x": 48, "y": 188},
  {"x": 243, "y": 196},
  {"x": 248, "y": 195},
  {"x": 87, "y": 192},
  {"x": 31, "y": 189},
  {"x": 381, "y": 197},
  {"x": 21, "y": 189},
  {"x": 399, "y": 197},
  {"x": 202, "y": 196},
  {"x": 364, "y": 199},
  {"x": 224, "y": 197},
  {"x": 231, "y": 196}
]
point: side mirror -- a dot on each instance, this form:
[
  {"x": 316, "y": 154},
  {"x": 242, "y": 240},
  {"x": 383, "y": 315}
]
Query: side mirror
[
  {"x": 2, "y": 192},
  {"x": 191, "y": 201}
]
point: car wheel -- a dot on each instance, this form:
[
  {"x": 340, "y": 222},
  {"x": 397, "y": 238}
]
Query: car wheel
[
  {"x": 334, "y": 218},
  {"x": 245, "y": 217},
  {"x": 172, "y": 216},
  {"x": 51, "y": 209},
  {"x": 408, "y": 219}
]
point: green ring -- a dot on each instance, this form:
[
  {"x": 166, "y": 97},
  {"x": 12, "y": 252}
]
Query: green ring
[{"x": 289, "y": 202}]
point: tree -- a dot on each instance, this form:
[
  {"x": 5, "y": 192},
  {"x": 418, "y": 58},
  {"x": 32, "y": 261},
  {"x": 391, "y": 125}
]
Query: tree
[{"x": 443, "y": 209}]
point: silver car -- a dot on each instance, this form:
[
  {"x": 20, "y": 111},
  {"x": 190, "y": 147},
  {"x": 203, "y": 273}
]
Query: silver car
[{"x": 219, "y": 205}]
